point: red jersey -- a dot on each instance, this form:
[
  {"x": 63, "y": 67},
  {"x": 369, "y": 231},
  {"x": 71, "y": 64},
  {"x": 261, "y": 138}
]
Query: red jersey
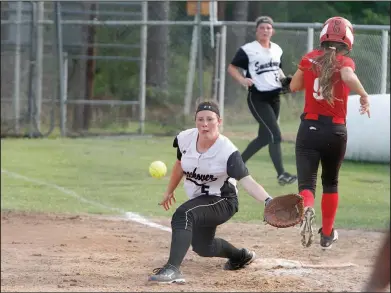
[{"x": 314, "y": 102}]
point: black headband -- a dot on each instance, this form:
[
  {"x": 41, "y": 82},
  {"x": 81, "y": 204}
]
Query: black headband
[
  {"x": 208, "y": 107},
  {"x": 264, "y": 20}
]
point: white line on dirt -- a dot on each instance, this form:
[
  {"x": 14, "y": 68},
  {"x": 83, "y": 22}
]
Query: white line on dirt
[{"x": 134, "y": 217}]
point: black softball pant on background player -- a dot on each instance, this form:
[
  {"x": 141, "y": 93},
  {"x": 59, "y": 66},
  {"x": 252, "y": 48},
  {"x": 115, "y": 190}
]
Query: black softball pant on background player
[
  {"x": 265, "y": 107},
  {"x": 320, "y": 141},
  {"x": 194, "y": 223}
]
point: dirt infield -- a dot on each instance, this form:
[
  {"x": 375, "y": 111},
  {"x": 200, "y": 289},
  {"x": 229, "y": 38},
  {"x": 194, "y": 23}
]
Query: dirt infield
[{"x": 49, "y": 252}]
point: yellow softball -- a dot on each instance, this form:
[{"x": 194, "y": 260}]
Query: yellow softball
[{"x": 157, "y": 169}]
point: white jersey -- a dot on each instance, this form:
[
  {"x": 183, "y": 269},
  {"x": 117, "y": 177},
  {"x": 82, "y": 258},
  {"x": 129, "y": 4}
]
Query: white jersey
[
  {"x": 261, "y": 64},
  {"x": 214, "y": 172}
]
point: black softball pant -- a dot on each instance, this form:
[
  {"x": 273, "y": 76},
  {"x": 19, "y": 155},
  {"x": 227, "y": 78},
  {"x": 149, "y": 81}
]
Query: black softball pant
[
  {"x": 320, "y": 142},
  {"x": 195, "y": 222},
  {"x": 265, "y": 107},
  {"x": 201, "y": 216}
]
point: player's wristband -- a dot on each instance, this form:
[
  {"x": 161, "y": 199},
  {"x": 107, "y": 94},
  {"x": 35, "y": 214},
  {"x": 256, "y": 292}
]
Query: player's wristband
[{"x": 267, "y": 200}]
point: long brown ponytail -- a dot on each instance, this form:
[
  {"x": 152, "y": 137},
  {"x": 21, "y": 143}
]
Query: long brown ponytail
[{"x": 325, "y": 66}]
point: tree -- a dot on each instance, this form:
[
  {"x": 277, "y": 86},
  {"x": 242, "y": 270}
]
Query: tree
[
  {"x": 158, "y": 48},
  {"x": 255, "y": 10},
  {"x": 236, "y": 37},
  {"x": 77, "y": 67}
]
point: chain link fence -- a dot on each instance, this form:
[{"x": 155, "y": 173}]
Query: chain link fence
[
  {"x": 116, "y": 79},
  {"x": 28, "y": 92}
]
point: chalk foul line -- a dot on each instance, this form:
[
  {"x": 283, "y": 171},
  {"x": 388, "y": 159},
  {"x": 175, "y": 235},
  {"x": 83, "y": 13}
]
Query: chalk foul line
[{"x": 134, "y": 217}]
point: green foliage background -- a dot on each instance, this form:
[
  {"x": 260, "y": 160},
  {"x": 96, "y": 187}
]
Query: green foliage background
[{"x": 120, "y": 79}]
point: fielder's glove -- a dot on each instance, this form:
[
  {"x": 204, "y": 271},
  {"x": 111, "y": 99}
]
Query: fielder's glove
[
  {"x": 285, "y": 82},
  {"x": 284, "y": 211}
]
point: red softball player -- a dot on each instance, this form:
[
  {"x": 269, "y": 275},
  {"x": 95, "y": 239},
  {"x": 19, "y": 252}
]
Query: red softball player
[{"x": 326, "y": 75}]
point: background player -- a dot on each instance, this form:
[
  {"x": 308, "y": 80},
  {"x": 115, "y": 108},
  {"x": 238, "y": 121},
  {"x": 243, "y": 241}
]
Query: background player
[
  {"x": 327, "y": 76},
  {"x": 261, "y": 59},
  {"x": 211, "y": 165}
]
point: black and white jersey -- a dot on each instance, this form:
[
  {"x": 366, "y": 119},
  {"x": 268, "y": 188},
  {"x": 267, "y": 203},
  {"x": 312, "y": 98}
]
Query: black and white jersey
[
  {"x": 261, "y": 64},
  {"x": 214, "y": 172}
]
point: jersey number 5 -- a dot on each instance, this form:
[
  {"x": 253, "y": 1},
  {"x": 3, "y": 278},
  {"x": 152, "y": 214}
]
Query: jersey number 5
[
  {"x": 317, "y": 94},
  {"x": 277, "y": 75},
  {"x": 205, "y": 189}
]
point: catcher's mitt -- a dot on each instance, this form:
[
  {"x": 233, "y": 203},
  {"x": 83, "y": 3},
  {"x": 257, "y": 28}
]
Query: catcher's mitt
[
  {"x": 285, "y": 82},
  {"x": 284, "y": 211}
]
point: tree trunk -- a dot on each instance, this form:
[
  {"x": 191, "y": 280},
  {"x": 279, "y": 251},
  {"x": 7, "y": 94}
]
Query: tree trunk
[
  {"x": 90, "y": 67},
  {"x": 158, "y": 47},
  {"x": 77, "y": 67},
  {"x": 255, "y": 10},
  {"x": 236, "y": 36},
  {"x": 221, "y": 7},
  {"x": 240, "y": 14}
]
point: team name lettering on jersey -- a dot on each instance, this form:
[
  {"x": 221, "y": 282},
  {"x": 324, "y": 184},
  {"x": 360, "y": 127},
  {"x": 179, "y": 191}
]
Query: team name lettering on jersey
[
  {"x": 259, "y": 69},
  {"x": 199, "y": 177}
]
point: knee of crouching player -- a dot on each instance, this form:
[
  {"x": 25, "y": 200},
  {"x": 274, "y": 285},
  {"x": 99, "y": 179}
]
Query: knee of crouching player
[{"x": 182, "y": 219}]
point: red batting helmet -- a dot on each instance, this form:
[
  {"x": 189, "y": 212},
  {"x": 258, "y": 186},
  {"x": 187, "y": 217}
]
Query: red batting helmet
[{"x": 337, "y": 29}]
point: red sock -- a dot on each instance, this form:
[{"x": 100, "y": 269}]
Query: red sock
[
  {"x": 329, "y": 209},
  {"x": 308, "y": 197}
]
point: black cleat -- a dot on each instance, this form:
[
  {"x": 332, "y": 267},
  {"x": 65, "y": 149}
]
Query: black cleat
[
  {"x": 248, "y": 257},
  {"x": 326, "y": 242},
  {"x": 286, "y": 178}
]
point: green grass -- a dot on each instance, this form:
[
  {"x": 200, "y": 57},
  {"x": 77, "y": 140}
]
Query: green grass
[{"x": 115, "y": 173}]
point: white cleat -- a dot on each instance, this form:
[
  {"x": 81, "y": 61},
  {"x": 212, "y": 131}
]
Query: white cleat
[{"x": 306, "y": 227}]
